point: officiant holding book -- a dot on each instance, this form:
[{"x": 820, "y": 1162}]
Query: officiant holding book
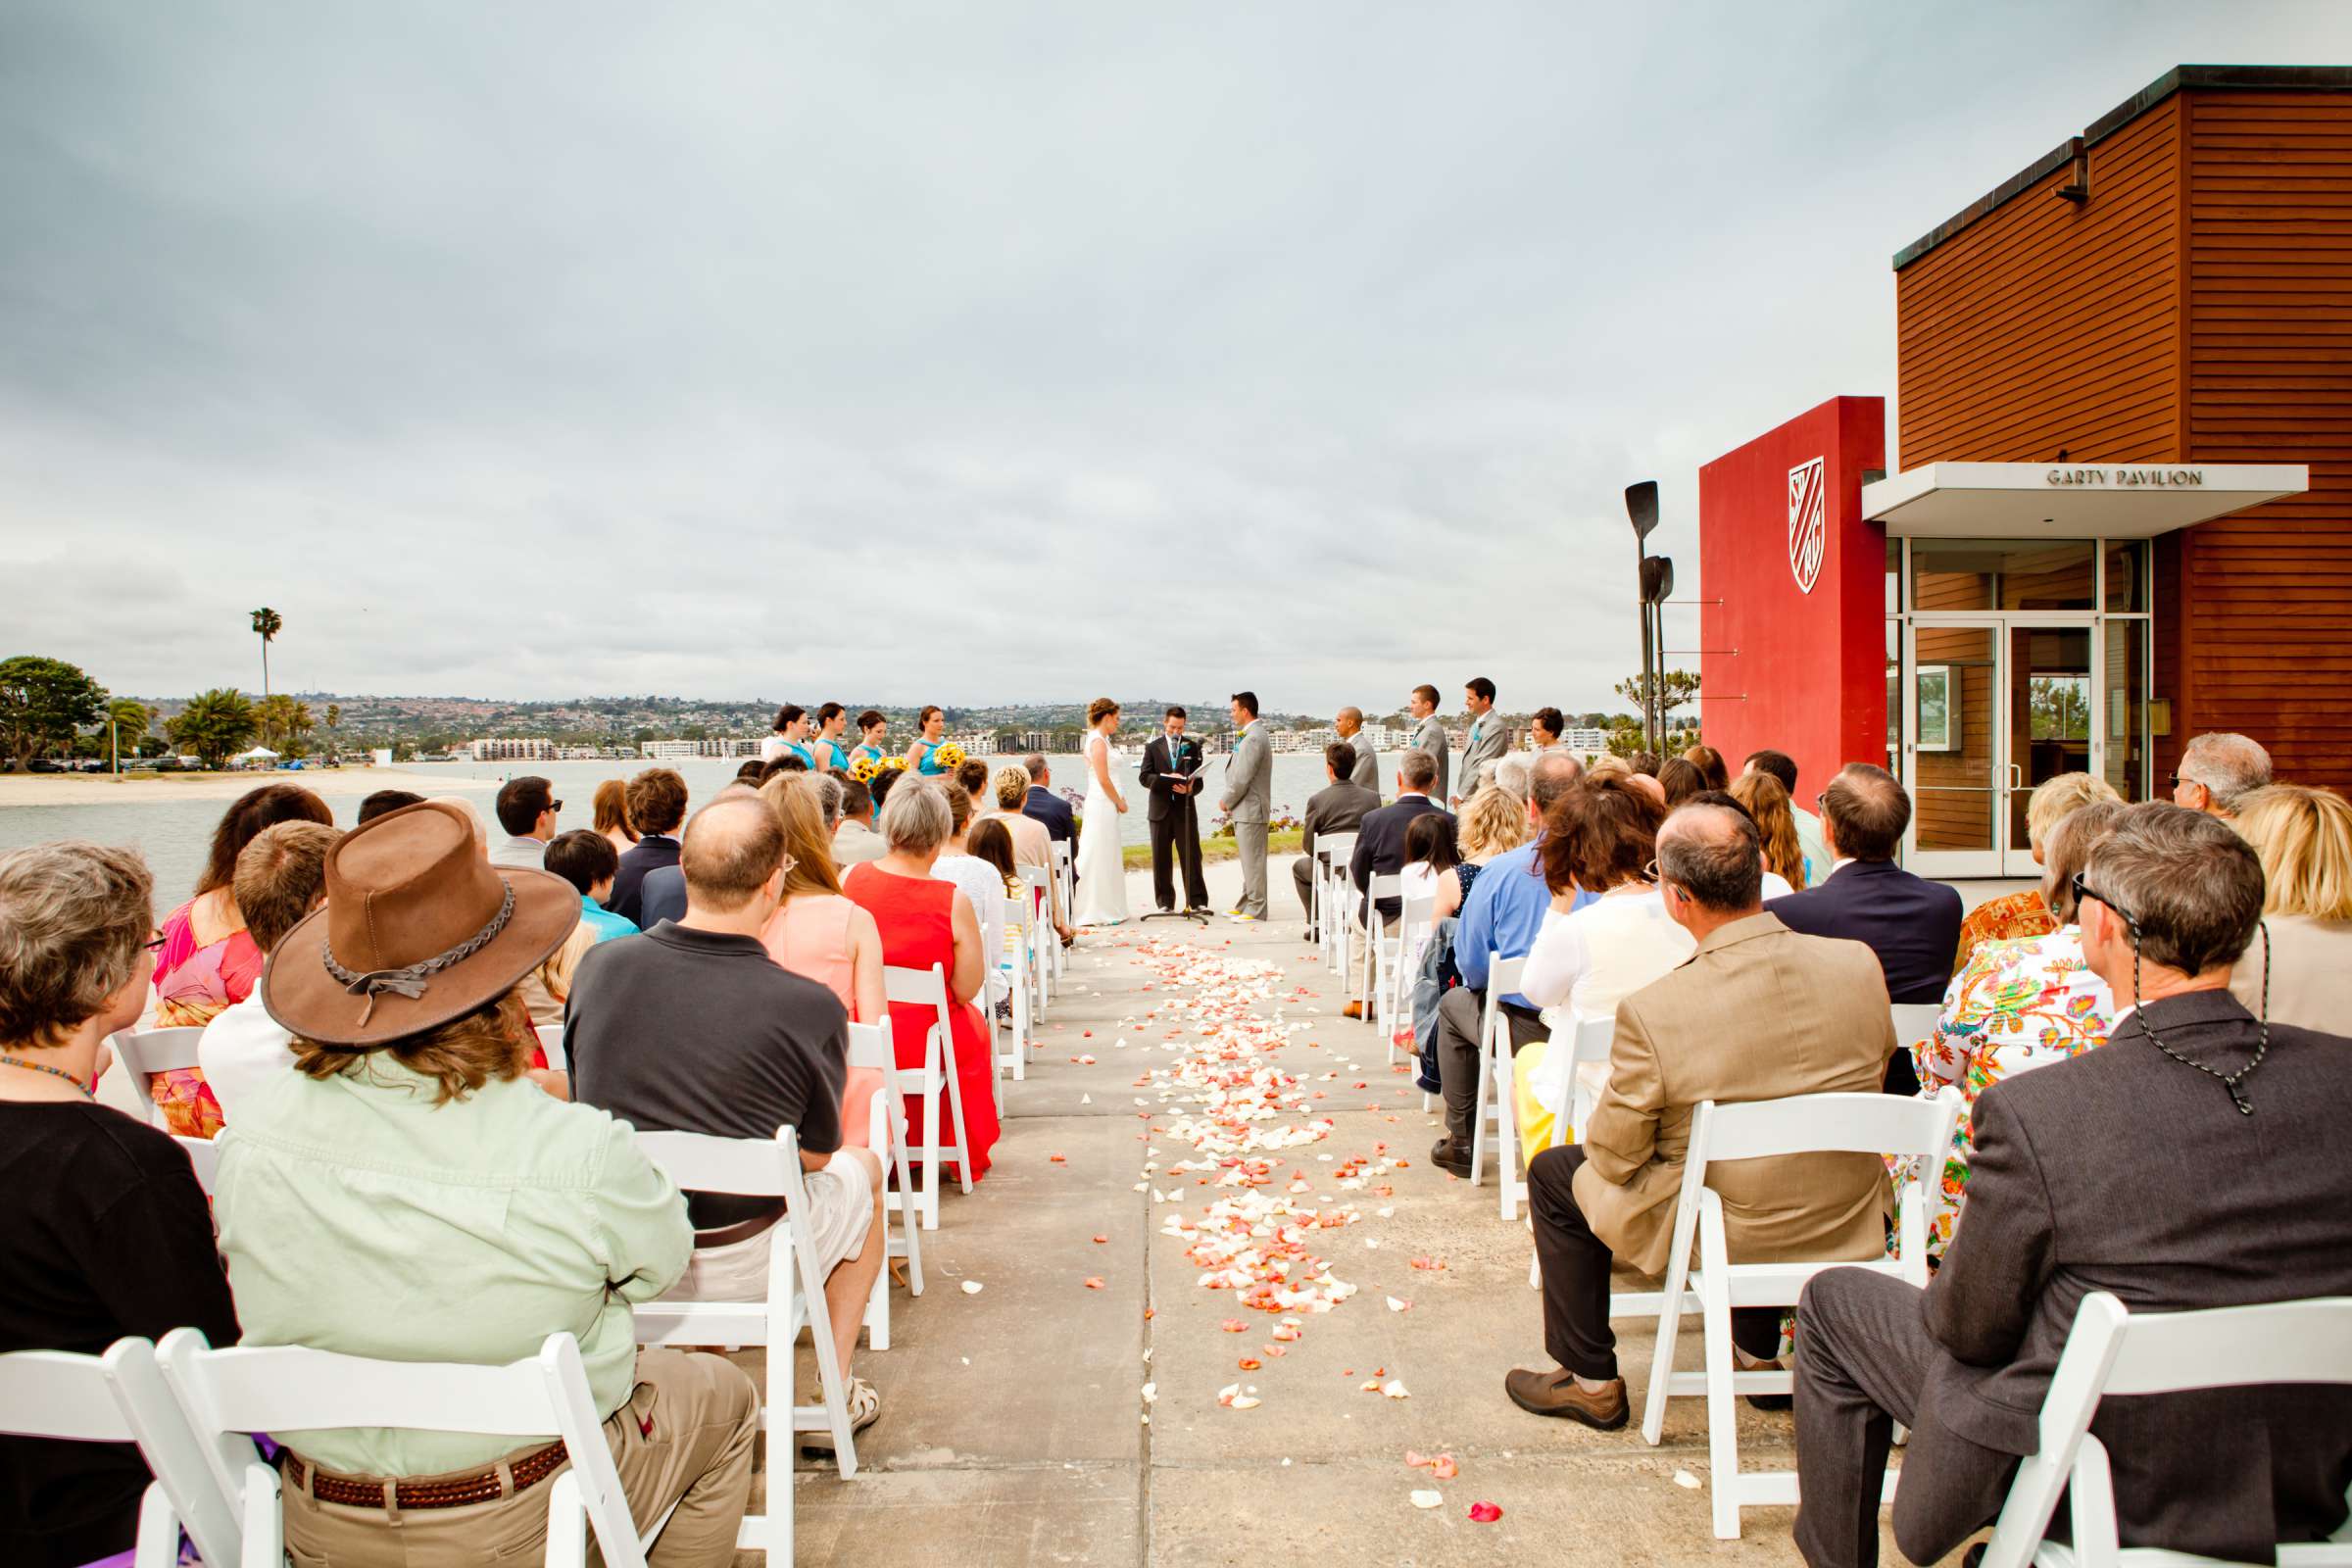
[{"x": 1171, "y": 772}]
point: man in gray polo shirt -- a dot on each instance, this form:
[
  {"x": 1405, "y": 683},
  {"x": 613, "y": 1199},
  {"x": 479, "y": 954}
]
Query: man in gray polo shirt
[{"x": 692, "y": 1027}]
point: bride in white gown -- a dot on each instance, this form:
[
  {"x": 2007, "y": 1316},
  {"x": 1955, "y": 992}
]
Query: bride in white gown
[{"x": 1101, "y": 865}]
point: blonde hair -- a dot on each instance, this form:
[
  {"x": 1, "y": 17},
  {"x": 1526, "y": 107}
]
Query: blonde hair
[
  {"x": 2303, "y": 838},
  {"x": 805, "y": 840},
  {"x": 1493, "y": 820},
  {"x": 1012, "y": 786},
  {"x": 2053, "y": 798},
  {"x": 556, "y": 973},
  {"x": 1604, "y": 767},
  {"x": 1767, "y": 803}
]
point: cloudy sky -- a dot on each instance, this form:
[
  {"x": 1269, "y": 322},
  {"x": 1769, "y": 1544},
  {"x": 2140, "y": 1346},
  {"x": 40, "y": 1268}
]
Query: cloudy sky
[{"x": 998, "y": 352}]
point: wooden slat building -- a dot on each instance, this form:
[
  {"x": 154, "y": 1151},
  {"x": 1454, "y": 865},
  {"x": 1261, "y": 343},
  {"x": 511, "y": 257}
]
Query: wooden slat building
[{"x": 2174, "y": 287}]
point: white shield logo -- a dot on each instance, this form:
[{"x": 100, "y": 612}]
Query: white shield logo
[{"x": 1808, "y": 522}]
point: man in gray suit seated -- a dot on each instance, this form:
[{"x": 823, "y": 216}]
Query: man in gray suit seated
[
  {"x": 2185, "y": 1165},
  {"x": 1338, "y": 808},
  {"x": 1429, "y": 732},
  {"x": 1248, "y": 801}
]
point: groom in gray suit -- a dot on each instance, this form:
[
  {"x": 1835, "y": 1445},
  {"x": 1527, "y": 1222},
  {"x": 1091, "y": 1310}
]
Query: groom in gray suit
[
  {"x": 1249, "y": 801},
  {"x": 1429, "y": 733},
  {"x": 1489, "y": 738}
]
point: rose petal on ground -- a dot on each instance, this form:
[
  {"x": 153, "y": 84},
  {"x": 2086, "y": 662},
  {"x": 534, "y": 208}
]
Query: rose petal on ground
[
  {"x": 1484, "y": 1513},
  {"x": 972, "y": 1287},
  {"x": 1243, "y": 1401},
  {"x": 1426, "y": 1499},
  {"x": 1683, "y": 1478},
  {"x": 1394, "y": 1388},
  {"x": 1444, "y": 1468},
  {"x": 1094, "y": 1283},
  {"x": 1250, "y": 1363},
  {"x": 1416, "y": 1460},
  {"x": 1395, "y": 1305}
]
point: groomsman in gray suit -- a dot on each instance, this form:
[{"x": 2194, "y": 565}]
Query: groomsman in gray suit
[
  {"x": 1488, "y": 738},
  {"x": 1249, "y": 801},
  {"x": 1351, "y": 726},
  {"x": 1429, "y": 733}
]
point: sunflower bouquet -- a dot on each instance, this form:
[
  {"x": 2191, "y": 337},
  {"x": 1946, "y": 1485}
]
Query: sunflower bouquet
[
  {"x": 863, "y": 769},
  {"x": 897, "y": 764},
  {"x": 948, "y": 755}
]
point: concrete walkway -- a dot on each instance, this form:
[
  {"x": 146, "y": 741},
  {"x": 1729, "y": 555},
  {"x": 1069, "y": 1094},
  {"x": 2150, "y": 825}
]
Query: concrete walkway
[{"x": 1012, "y": 1426}]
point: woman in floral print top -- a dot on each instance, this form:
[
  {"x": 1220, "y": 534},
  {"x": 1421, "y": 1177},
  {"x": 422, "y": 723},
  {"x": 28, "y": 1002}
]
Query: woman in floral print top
[{"x": 2021, "y": 1003}]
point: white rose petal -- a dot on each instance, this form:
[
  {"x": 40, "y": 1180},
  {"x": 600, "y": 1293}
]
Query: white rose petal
[
  {"x": 1428, "y": 1500},
  {"x": 974, "y": 1286}
]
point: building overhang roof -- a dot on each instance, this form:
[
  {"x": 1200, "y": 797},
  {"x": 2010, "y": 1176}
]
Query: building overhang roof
[{"x": 2071, "y": 500}]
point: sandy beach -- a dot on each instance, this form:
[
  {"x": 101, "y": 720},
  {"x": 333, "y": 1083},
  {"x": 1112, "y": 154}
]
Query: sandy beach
[{"x": 328, "y": 783}]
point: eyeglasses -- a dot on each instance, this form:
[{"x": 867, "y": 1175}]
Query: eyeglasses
[
  {"x": 155, "y": 944},
  {"x": 2083, "y": 890}
]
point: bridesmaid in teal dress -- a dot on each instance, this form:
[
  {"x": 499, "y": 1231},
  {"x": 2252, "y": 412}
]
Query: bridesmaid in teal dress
[
  {"x": 872, "y": 730},
  {"x": 922, "y": 756}
]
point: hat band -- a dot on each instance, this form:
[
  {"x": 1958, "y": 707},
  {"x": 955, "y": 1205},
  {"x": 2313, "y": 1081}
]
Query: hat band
[{"x": 411, "y": 980}]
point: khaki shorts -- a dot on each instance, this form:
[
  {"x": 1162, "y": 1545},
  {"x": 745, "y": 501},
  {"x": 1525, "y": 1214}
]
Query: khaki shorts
[{"x": 840, "y": 1210}]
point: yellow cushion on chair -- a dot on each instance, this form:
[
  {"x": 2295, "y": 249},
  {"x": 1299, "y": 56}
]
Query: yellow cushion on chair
[{"x": 1537, "y": 1125}]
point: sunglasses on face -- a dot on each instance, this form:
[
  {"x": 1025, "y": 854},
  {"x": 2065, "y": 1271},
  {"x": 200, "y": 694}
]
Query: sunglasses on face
[{"x": 2083, "y": 890}]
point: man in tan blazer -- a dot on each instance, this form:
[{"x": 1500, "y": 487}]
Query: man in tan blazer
[{"x": 1757, "y": 1012}]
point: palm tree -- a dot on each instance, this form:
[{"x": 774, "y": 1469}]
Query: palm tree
[
  {"x": 214, "y": 725},
  {"x": 266, "y": 625},
  {"x": 334, "y": 724}
]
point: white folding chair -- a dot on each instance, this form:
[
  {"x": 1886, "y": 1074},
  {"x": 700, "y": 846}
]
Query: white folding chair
[
  {"x": 1376, "y": 938},
  {"x": 227, "y": 1394},
  {"x": 886, "y": 1135},
  {"x": 141, "y": 1051},
  {"x": 1065, "y": 872},
  {"x": 120, "y": 1398},
  {"x": 1019, "y": 921},
  {"x": 1503, "y": 978},
  {"x": 1802, "y": 1124},
  {"x": 935, "y": 1080},
  {"x": 204, "y": 1155},
  {"x": 2113, "y": 1351},
  {"x": 550, "y": 1041},
  {"x": 1392, "y": 979},
  {"x": 1040, "y": 883},
  {"x": 1335, "y": 851},
  {"x": 762, "y": 1167}
]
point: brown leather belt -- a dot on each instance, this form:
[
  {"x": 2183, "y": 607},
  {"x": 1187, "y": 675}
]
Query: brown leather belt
[
  {"x": 450, "y": 1492},
  {"x": 743, "y": 1230}
]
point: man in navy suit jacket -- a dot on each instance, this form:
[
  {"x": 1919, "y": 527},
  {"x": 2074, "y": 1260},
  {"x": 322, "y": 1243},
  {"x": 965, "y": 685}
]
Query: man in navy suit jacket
[
  {"x": 1911, "y": 923},
  {"x": 657, "y": 800},
  {"x": 1043, "y": 805}
]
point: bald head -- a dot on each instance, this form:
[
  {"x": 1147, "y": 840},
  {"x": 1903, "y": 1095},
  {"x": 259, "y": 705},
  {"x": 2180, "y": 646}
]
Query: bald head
[
  {"x": 1866, "y": 811},
  {"x": 733, "y": 848},
  {"x": 1549, "y": 779},
  {"x": 1713, "y": 855},
  {"x": 1348, "y": 721}
]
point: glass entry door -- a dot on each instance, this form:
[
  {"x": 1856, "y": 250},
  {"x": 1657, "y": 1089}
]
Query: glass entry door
[{"x": 1993, "y": 707}]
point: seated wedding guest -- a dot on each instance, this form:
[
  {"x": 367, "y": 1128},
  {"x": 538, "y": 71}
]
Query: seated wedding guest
[
  {"x": 1432, "y": 854},
  {"x": 2016, "y": 1005},
  {"x": 1494, "y": 822},
  {"x": 751, "y": 1047},
  {"x": 926, "y": 923},
  {"x": 2027, "y": 914},
  {"x": 1648, "y": 786},
  {"x": 1767, "y": 806},
  {"x": 1808, "y": 826},
  {"x": 788, "y": 762},
  {"x": 831, "y": 792},
  {"x": 1509, "y": 772},
  {"x": 2301, "y": 956},
  {"x": 657, "y": 802},
  {"x": 1338, "y": 807},
  {"x": 1710, "y": 765},
  {"x": 281, "y": 877},
  {"x": 2219, "y": 771},
  {"x": 1776, "y": 886},
  {"x": 1911, "y": 923},
  {"x": 991, "y": 840},
  {"x": 110, "y": 1234},
  {"x": 1759, "y": 1013},
  {"x": 2176, "y": 1168},
  {"x": 1603, "y": 765},
  {"x": 972, "y": 774},
  {"x": 873, "y": 733},
  {"x": 383, "y": 802},
  {"x": 1501, "y": 913},
  {"x": 819, "y": 934},
  {"x": 1646, "y": 764},
  {"x": 1599, "y": 838},
  {"x": 1544, "y": 728},
  {"x": 753, "y": 772},
  {"x": 879, "y": 787},
  {"x": 611, "y": 808},
  {"x": 208, "y": 962},
  {"x": 855, "y": 840},
  {"x": 1380, "y": 852},
  {"x": 586, "y": 860},
  {"x": 463, "y": 805},
  {"x": 979, "y": 882},
  {"x": 1032, "y": 841},
  {"x": 663, "y": 894},
  {"x": 527, "y": 808},
  {"x": 1679, "y": 779},
  {"x": 410, "y": 1131},
  {"x": 1047, "y": 806}
]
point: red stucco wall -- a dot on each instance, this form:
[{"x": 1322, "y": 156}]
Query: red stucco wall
[{"x": 1803, "y": 672}]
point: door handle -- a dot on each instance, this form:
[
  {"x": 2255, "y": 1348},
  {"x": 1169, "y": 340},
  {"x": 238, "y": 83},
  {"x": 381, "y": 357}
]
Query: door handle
[{"x": 2016, "y": 776}]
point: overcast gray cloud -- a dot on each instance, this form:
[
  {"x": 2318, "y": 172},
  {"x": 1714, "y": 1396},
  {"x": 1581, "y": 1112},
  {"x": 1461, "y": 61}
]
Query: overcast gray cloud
[{"x": 1006, "y": 351}]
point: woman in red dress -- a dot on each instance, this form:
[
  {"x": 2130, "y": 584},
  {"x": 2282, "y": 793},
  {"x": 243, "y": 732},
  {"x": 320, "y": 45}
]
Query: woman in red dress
[{"x": 925, "y": 921}]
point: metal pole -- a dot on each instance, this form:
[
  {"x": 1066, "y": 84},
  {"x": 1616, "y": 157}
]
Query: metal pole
[{"x": 1642, "y": 601}]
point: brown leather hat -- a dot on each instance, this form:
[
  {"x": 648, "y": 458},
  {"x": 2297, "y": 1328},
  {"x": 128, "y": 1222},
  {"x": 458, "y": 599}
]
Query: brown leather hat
[{"x": 417, "y": 929}]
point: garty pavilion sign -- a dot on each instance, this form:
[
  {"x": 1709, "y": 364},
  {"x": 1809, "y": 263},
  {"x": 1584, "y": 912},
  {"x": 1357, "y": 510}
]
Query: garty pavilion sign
[{"x": 2124, "y": 478}]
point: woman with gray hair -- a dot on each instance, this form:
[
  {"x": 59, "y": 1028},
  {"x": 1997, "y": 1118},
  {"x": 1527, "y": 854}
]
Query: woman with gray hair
[
  {"x": 926, "y": 923},
  {"x": 2018, "y": 1003},
  {"x": 112, "y": 1235}
]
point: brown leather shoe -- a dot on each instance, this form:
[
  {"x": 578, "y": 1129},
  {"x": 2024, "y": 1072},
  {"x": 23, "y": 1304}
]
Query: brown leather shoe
[
  {"x": 1556, "y": 1393},
  {"x": 1353, "y": 1010}
]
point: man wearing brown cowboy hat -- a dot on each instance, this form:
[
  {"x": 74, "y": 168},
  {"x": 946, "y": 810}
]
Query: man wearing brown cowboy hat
[{"x": 408, "y": 1193}]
